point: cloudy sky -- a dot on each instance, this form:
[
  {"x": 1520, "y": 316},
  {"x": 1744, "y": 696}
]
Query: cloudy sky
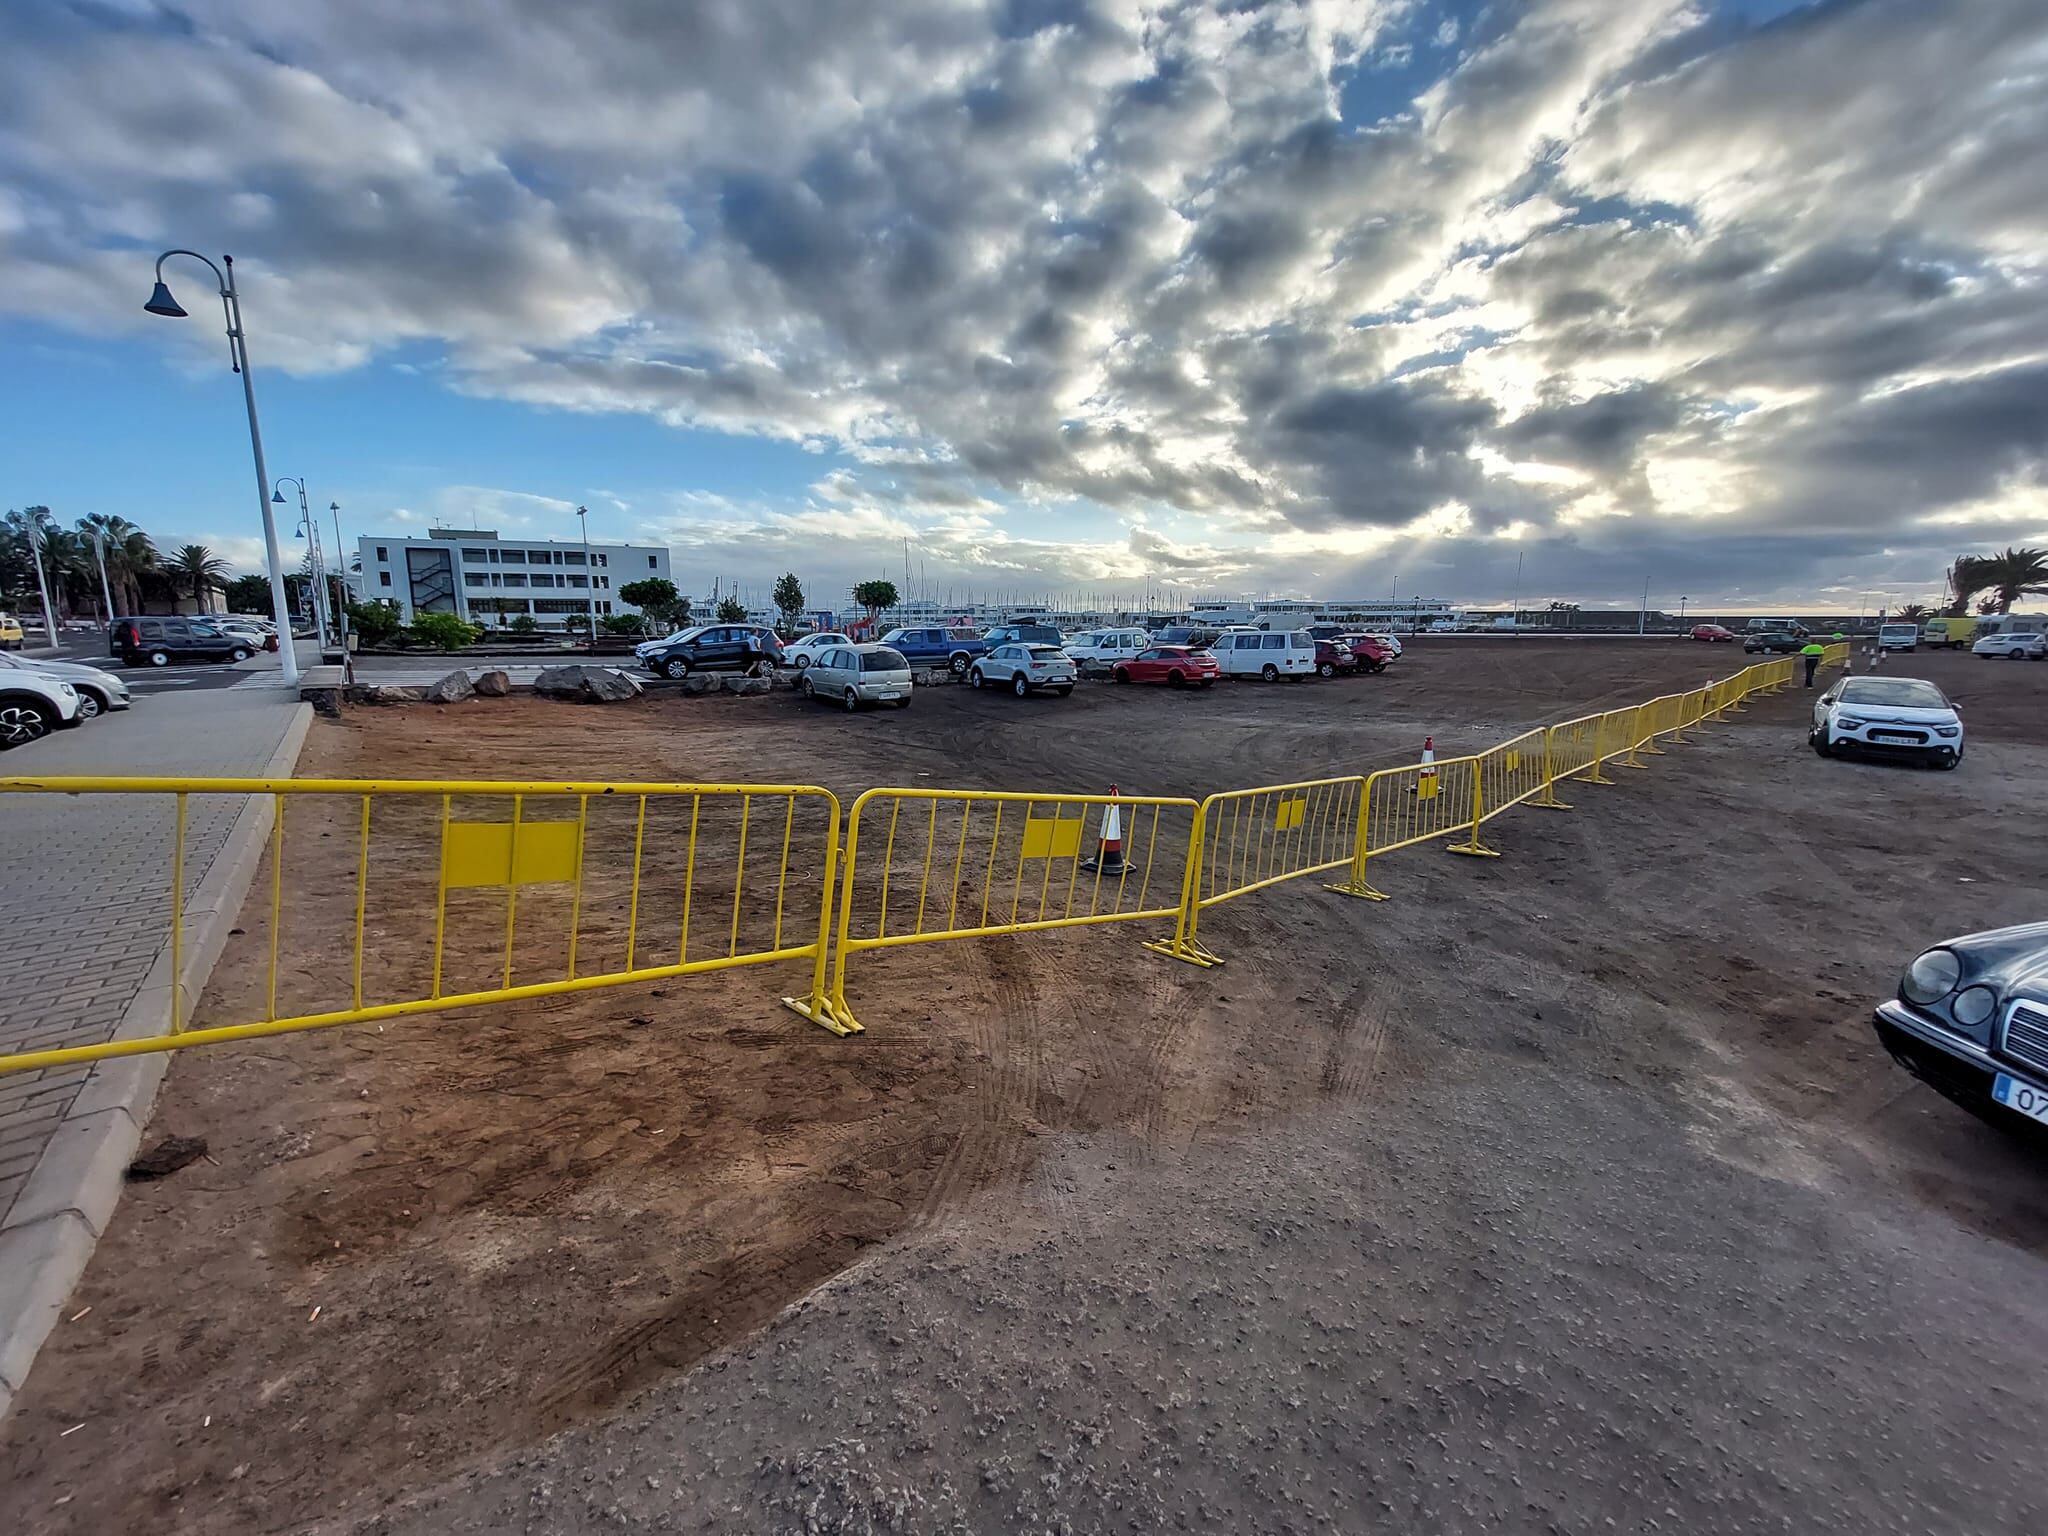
[{"x": 1747, "y": 300}]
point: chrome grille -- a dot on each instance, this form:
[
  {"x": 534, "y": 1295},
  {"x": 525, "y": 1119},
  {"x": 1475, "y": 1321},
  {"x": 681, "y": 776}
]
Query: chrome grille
[{"x": 2026, "y": 1036}]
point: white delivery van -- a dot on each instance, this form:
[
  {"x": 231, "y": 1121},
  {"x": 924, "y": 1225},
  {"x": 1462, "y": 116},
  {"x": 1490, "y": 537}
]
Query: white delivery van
[
  {"x": 1106, "y": 647},
  {"x": 1269, "y": 654},
  {"x": 1898, "y": 637}
]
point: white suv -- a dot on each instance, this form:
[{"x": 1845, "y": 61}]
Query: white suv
[
  {"x": 32, "y": 705},
  {"x": 2018, "y": 644},
  {"x": 1025, "y": 667},
  {"x": 1108, "y": 646}
]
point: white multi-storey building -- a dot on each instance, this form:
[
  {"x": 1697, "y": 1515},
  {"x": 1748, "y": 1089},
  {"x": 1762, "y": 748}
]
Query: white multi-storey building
[
  {"x": 490, "y": 580},
  {"x": 1405, "y": 613}
]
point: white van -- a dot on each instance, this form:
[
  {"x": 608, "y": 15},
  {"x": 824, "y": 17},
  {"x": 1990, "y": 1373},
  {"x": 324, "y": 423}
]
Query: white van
[
  {"x": 1106, "y": 647},
  {"x": 1898, "y": 637},
  {"x": 1270, "y": 654}
]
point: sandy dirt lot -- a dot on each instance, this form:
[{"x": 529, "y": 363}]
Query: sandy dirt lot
[{"x": 515, "y": 1219}]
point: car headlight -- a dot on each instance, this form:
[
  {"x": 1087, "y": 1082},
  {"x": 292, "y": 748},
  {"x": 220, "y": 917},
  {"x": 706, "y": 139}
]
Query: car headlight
[
  {"x": 66, "y": 689},
  {"x": 1850, "y": 722},
  {"x": 1931, "y": 977},
  {"x": 1973, "y": 1005},
  {"x": 1948, "y": 730}
]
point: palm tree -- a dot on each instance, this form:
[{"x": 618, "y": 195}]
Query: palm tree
[
  {"x": 2014, "y": 574},
  {"x": 1966, "y": 579},
  {"x": 129, "y": 554},
  {"x": 199, "y": 569},
  {"x": 1913, "y": 613}
]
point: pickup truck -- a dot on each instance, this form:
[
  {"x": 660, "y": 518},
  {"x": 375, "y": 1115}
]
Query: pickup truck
[{"x": 936, "y": 647}]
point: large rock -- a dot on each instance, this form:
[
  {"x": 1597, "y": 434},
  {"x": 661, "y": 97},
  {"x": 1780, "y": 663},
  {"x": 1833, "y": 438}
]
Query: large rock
[
  {"x": 700, "y": 682},
  {"x": 493, "y": 684},
  {"x": 747, "y": 685},
  {"x": 595, "y": 685},
  {"x": 452, "y": 689},
  {"x": 387, "y": 693}
]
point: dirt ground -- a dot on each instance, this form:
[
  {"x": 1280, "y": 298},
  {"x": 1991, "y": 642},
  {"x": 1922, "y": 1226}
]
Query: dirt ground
[{"x": 423, "y": 1247}]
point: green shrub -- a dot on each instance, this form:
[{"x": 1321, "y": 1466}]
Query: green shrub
[
  {"x": 376, "y": 621},
  {"x": 524, "y": 624},
  {"x": 443, "y": 631},
  {"x": 621, "y": 623}
]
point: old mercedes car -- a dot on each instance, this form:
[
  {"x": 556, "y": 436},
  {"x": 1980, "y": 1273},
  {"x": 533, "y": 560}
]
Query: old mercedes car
[{"x": 1971, "y": 1021}]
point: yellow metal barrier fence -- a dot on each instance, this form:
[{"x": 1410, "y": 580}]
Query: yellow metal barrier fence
[
  {"x": 609, "y": 883},
  {"x": 956, "y": 864}
]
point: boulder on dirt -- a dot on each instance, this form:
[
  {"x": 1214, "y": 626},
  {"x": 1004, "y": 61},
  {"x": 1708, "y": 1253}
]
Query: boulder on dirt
[
  {"x": 493, "y": 684},
  {"x": 594, "y": 685},
  {"x": 167, "y": 1157},
  {"x": 452, "y": 689},
  {"x": 387, "y": 693},
  {"x": 747, "y": 685}
]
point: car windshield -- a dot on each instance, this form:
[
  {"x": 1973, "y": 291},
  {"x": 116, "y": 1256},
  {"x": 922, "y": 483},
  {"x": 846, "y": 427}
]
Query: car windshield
[
  {"x": 883, "y": 661},
  {"x": 1896, "y": 692}
]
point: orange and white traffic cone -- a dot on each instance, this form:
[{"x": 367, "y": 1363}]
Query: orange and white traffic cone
[
  {"x": 1109, "y": 857},
  {"x": 1425, "y": 785}
]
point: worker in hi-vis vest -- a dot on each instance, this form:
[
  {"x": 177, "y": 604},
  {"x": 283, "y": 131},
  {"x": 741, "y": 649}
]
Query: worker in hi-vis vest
[{"x": 1813, "y": 650}]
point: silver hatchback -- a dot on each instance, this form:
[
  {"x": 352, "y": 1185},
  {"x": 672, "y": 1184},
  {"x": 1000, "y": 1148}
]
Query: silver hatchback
[{"x": 854, "y": 675}]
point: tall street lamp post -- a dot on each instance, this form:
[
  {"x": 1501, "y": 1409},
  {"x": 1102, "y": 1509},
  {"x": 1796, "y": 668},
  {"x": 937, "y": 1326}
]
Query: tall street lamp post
[
  {"x": 161, "y": 303},
  {"x": 99, "y": 549},
  {"x": 37, "y": 547},
  {"x": 309, "y": 529},
  {"x": 589, "y": 575}
]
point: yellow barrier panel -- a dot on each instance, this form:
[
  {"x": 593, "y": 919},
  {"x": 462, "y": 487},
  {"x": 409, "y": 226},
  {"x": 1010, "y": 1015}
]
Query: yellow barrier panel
[
  {"x": 603, "y": 881},
  {"x": 1248, "y": 839},
  {"x": 955, "y": 864}
]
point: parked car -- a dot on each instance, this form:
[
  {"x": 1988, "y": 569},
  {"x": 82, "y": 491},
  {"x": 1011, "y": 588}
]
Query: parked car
[
  {"x": 932, "y": 645},
  {"x": 854, "y": 675},
  {"x": 98, "y": 692},
  {"x": 1971, "y": 1021},
  {"x": 10, "y": 632},
  {"x": 1389, "y": 643},
  {"x": 1898, "y": 637},
  {"x": 1367, "y": 654},
  {"x": 1022, "y": 668},
  {"x": 161, "y": 640},
  {"x": 1946, "y": 633},
  {"x": 1270, "y": 654},
  {"x": 1107, "y": 647},
  {"x": 1333, "y": 658},
  {"x": 1174, "y": 665},
  {"x": 1200, "y": 639},
  {"x": 33, "y": 705},
  {"x": 2016, "y": 644},
  {"x": 802, "y": 653},
  {"x": 1714, "y": 634},
  {"x": 1023, "y": 634},
  {"x": 1907, "y": 716},
  {"x": 715, "y": 648},
  {"x": 1774, "y": 641},
  {"x": 259, "y": 639}
]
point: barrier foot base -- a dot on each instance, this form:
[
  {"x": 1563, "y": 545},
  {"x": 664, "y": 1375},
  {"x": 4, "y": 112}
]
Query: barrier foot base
[
  {"x": 1184, "y": 949},
  {"x": 1474, "y": 850},
  {"x": 1360, "y": 889},
  {"x": 1549, "y": 803},
  {"x": 1649, "y": 751},
  {"x": 826, "y": 1014}
]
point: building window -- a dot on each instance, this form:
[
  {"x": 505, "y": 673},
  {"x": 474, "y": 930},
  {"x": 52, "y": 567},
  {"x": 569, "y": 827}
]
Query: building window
[
  {"x": 515, "y": 580},
  {"x": 602, "y": 560},
  {"x": 650, "y": 562},
  {"x": 477, "y": 556},
  {"x": 572, "y": 557},
  {"x": 475, "y": 579},
  {"x": 604, "y": 607},
  {"x": 557, "y": 605},
  {"x": 543, "y": 581},
  {"x": 576, "y": 581},
  {"x": 383, "y": 553},
  {"x": 383, "y": 577},
  {"x": 513, "y": 556}
]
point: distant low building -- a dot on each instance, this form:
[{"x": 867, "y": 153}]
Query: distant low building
[{"x": 483, "y": 578}]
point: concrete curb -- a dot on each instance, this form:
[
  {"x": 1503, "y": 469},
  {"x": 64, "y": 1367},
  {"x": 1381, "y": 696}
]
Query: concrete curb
[{"x": 71, "y": 1194}]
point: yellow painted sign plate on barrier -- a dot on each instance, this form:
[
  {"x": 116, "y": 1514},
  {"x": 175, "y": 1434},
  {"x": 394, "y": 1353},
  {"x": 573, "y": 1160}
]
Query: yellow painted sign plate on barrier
[
  {"x": 1052, "y": 837},
  {"x": 481, "y": 853},
  {"x": 1514, "y": 759},
  {"x": 1290, "y": 813}
]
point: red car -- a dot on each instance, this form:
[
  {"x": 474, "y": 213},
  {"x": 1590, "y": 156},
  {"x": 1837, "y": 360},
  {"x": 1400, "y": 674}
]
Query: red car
[
  {"x": 1333, "y": 657},
  {"x": 1367, "y": 654},
  {"x": 1711, "y": 632},
  {"x": 1174, "y": 665}
]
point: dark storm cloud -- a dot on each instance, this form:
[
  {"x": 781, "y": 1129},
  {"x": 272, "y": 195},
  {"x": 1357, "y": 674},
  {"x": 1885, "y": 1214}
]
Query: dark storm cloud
[{"x": 1629, "y": 283}]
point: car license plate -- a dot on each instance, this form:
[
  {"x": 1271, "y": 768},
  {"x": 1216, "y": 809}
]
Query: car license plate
[
  {"x": 887, "y": 693},
  {"x": 1898, "y": 736},
  {"x": 2023, "y": 1097}
]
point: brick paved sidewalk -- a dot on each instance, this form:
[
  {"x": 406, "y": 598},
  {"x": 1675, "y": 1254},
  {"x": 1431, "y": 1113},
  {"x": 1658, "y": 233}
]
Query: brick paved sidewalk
[{"x": 85, "y": 904}]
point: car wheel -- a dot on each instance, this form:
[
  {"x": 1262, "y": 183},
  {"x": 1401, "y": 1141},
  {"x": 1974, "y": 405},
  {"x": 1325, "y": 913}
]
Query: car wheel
[
  {"x": 802, "y": 661},
  {"x": 673, "y": 666},
  {"x": 238, "y": 654},
  {"x": 1270, "y": 673},
  {"x": 803, "y": 685},
  {"x": 89, "y": 706},
  {"x": 1176, "y": 680},
  {"x": 1020, "y": 685},
  {"x": 975, "y": 679},
  {"x": 1947, "y": 760},
  {"x": 1120, "y": 674},
  {"x": 957, "y": 665},
  {"x": 22, "y": 721},
  {"x": 1327, "y": 669},
  {"x": 2014, "y": 655},
  {"x": 159, "y": 658},
  {"x": 852, "y": 701},
  {"x": 1821, "y": 745}
]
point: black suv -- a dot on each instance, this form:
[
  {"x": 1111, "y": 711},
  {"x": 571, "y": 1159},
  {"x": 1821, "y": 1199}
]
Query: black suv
[
  {"x": 159, "y": 641},
  {"x": 716, "y": 648}
]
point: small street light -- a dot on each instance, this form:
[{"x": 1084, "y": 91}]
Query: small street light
[
  {"x": 308, "y": 526},
  {"x": 589, "y": 575},
  {"x": 161, "y": 303}
]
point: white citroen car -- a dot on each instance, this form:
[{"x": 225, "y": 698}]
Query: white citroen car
[{"x": 1897, "y": 716}]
